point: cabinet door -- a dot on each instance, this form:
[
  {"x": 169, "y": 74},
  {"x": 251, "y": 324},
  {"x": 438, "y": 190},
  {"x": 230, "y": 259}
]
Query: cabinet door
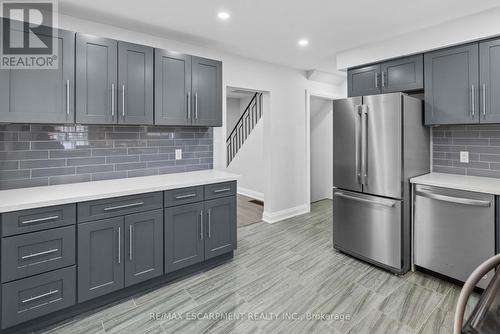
[
  {"x": 451, "y": 82},
  {"x": 96, "y": 80},
  {"x": 135, "y": 83},
  {"x": 144, "y": 246},
  {"x": 220, "y": 226},
  {"x": 41, "y": 95},
  {"x": 404, "y": 74},
  {"x": 100, "y": 258},
  {"x": 172, "y": 88},
  {"x": 489, "y": 60},
  {"x": 207, "y": 91},
  {"x": 184, "y": 238},
  {"x": 363, "y": 81}
]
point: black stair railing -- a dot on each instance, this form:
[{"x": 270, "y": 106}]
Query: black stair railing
[{"x": 244, "y": 127}]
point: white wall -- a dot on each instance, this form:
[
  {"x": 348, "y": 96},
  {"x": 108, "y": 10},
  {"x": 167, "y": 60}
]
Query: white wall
[
  {"x": 249, "y": 163},
  {"x": 471, "y": 28},
  {"x": 233, "y": 113},
  {"x": 284, "y": 126},
  {"x": 321, "y": 148}
]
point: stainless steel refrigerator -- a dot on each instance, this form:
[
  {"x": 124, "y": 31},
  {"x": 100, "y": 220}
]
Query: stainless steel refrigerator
[{"x": 379, "y": 143}]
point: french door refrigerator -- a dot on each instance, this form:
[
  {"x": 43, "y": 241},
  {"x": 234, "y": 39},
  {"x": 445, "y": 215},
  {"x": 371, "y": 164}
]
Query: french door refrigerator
[{"x": 379, "y": 143}]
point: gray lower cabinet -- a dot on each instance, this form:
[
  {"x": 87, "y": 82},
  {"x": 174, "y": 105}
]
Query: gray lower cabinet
[
  {"x": 451, "y": 85},
  {"x": 143, "y": 246},
  {"x": 96, "y": 80},
  {"x": 489, "y": 60},
  {"x": 135, "y": 84},
  {"x": 41, "y": 95},
  {"x": 220, "y": 230},
  {"x": 403, "y": 74},
  {"x": 363, "y": 81},
  {"x": 207, "y": 89},
  {"x": 184, "y": 236},
  {"x": 100, "y": 258},
  {"x": 173, "y": 103}
]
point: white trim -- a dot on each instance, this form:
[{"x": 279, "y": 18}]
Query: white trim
[
  {"x": 310, "y": 93},
  {"x": 251, "y": 193},
  {"x": 274, "y": 217}
]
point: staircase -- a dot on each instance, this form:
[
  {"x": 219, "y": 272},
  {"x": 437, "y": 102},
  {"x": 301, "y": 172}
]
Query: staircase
[{"x": 244, "y": 127}]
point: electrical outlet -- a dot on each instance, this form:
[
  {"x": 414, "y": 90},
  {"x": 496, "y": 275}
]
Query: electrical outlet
[
  {"x": 464, "y": 157},
  {"x": 178, "y": 154}
]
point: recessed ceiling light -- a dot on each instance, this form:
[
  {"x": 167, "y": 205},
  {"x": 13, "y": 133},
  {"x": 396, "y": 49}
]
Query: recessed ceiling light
[
  {"x": 223, "y": 15},
  {"x": 303, "y": 42}
]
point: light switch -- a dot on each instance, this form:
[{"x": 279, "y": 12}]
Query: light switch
[
  {"x": 178, "y": 154},
  {"x": 464, "y": 157}
]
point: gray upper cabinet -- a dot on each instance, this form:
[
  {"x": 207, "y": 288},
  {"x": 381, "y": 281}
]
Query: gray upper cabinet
[
  {"x": 135, "y": 84},
  {"x": 220, "y": 230},
  {"x": 144, "y": 246},
  {"x": 363, "y": 81},
  {"x": 451, "y": 85},
  {"x": 96, "y": 80},
  {"x": 207, "y": 90},
  {"x": 100, "y": 258},
  {"x": 172, "y": 88},
  {"x": 41, "y": 95},
  {"x": 489, "y": 60},
  {"x": 403, "y": 74},
  {"x": 184, "y": 236}
]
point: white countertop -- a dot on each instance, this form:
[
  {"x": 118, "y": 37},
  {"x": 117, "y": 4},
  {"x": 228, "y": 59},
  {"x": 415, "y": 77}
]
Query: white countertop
[
  {"x": 36, "y": 197},
  {"x": 486, "y": 185}
]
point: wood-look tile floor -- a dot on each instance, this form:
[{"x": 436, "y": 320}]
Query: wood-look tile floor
[
  {"x": 285, "y": 269},
  {"x": 249, "y": 211}
]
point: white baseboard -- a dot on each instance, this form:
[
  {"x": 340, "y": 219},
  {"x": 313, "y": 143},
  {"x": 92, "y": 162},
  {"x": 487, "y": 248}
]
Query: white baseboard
[
  {"x": 274, "y": 217},
  {"x": 251, "y": 193}
]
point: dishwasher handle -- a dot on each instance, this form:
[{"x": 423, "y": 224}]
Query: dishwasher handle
[{"x": 452, "y": 199}]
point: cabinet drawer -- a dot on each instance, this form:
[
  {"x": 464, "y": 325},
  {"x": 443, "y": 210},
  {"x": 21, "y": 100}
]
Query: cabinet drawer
[
  {"x": 183, "y": 196},
  {"x": 38, "y": 252},
  {"x": 39, "y": 295},
  {"x": 217, "y": 190},
  {"x": 119, "y": 206},
  {"x": 32, "y": 220}
]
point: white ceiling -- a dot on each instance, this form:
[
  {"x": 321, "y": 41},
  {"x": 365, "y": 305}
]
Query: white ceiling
[{"x": 268, "y": 30}]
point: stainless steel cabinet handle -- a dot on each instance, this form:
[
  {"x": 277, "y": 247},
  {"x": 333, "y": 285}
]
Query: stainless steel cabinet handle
[
  {"x": 123, "y": 206},
  {"x": 130, "y": 242},
  {"x": 209, "y": 223},
  {"x": 67, "y": 97},
  {"x": 201, "y": 225},
  {"x": 123, "y": 100},
  {"x": 113, "y": 100},
  {"x": 40, "y": 254},
  {"x": 39, "y": 220},
  {"x": 119, "y": 244},
  {"x": 376, "y": 79},
  {"x": 50, "y": 293},
  {"x": 216, "y": 191},
  {"x": 484, "y": 100},
  {"x": 188, "y": 108},
  {"x": 473, "y": 100},
  {"x": 389, "y": 204},
  {"x": 451, "y": 199},
  {"x": 196, "y": 105},
  {"x": 383, "y": 79},
  {"x": 185, "y": 196}
]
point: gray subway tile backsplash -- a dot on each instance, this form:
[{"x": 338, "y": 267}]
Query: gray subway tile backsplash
[
  {"x": 481, "y": 141},
  {"x": 37, "y": 154}
]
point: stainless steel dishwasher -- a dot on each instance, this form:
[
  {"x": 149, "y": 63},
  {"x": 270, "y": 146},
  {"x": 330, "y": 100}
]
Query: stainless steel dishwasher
[{"x": 454, "y": 231}]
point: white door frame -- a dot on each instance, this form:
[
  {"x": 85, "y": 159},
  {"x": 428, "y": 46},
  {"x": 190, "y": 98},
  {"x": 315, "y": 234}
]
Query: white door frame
[{"x": 309, "y": 94}]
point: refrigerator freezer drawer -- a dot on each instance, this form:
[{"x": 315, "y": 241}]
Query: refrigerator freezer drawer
[
  {"x": 454, "y": 231},
  {"x": 368, "y": 226}
]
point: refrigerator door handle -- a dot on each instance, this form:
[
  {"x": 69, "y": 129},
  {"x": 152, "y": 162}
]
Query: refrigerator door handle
[
  {"x": 364, "y": 138},
  {"x": 357, "y": 129},
  {"x": 387, "y": 203}
]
